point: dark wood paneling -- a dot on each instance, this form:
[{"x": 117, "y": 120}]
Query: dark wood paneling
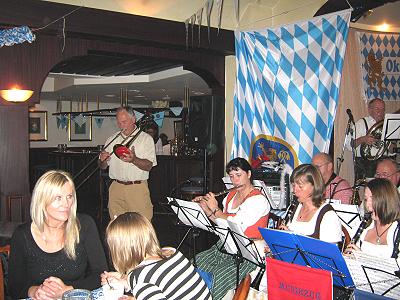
[
  {"x": 100, "y": 25},
  {"x": 14, "y": 175}
]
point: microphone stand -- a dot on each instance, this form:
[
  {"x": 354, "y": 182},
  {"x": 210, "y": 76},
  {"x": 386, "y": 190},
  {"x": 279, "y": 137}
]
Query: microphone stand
[{"x": 340, "y": 159}]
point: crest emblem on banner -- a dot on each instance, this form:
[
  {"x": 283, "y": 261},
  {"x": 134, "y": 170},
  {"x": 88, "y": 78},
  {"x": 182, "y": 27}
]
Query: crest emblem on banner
[
  {"x": 380, "y": 65},
  {"x": 269, "y": 148}
]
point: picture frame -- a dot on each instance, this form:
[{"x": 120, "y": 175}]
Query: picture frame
[
  {"x": 80, "y": 128},
  {"x": 38, "y": 126}
]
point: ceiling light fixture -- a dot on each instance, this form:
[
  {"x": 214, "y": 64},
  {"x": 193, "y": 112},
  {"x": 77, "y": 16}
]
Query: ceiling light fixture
[
  {"x": 383, "y": 27},
  {"x": 16, "y": 95}
]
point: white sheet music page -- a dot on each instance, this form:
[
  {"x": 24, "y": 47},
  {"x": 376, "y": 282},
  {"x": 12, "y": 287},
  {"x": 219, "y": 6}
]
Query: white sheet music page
[
  {"x": 349, "y": 216},
  {"x": 226, "y": 239},
  {"x": 248, "y": 249},
  {"x": 374, "y": 274},
  {"x": 190, "y": 213}
]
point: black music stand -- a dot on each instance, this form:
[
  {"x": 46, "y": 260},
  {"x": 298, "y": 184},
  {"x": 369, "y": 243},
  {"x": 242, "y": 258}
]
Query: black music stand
[
  {"x": 391, "y": 128},
  {"x": 349, "y": 216},
  {"x": 237, "y": 245},
  {"x": 192, "y": 215},
  {"x": 306, "y": 251},
  {"x": 376, "y": 275}
]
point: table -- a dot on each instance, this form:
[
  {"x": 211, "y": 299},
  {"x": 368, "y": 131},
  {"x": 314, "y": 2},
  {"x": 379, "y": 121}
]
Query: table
[{"x": 97, "y": 294}]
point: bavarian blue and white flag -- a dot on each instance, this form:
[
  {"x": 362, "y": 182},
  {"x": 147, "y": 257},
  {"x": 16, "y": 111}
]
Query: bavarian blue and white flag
[{"x": 287, "y": 88}]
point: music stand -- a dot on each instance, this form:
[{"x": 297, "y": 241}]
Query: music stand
[
  {"x": 192, "y": 215},
  {"x": 391, "y": 128},
  {"x": 349, "y": 216},
  {"x": 237, "y": 245},
  {"x": 375, "y": 274},
  {"x": 306, "y": 251}
]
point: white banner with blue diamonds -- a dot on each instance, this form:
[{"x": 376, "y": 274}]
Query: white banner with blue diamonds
[
  {"x": 287, "y": 88},
  {"x": 380, "y": 65}
]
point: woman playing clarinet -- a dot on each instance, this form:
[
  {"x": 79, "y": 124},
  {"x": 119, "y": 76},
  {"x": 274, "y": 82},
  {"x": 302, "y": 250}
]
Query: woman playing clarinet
[
  {"x": 313, "y": 217},
  {"x": 381, "y": 237}
]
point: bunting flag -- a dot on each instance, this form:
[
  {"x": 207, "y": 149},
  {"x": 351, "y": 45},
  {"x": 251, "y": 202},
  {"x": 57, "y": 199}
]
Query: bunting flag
[
  {"x": 99, "y": 121},
  {"x": 79, "y": 120},
  {"x": 287, "y": 88},
  {"x": 159, "y": 118},
  {"x": 209, "y": 5},
  {"x": 199, "y": 16},
  {"x": 192, "y": 23},
  {"x": 220, "y": 3},
  {"x": 62, "y": 121},
  {"x": 187, "y": 32},
  {"x": 176, "y": 110},
  {"x": 236, "y": 6},
  {"x": 16, "y": 35},
  {"x": 138, "y": 115}
]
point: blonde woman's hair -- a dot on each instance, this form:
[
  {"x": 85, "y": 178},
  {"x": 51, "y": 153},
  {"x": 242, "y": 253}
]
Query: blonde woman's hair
[
  {"x": 46, "y": 189},
  {"x": 130, "y": 238}
]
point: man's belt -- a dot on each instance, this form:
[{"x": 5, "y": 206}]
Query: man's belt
[{"x": 128, "y": 182}]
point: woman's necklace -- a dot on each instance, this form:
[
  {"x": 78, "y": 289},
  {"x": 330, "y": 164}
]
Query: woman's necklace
[
  {"x": 304, "y": 213},
  {"x": 378, "y": 236}
]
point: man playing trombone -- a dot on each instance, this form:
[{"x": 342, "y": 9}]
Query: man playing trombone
[{"x": 130, "y": 154}]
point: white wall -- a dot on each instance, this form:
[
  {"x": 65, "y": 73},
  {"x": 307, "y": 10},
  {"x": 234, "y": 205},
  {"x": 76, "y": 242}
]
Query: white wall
[{"x": 99, "y": 135}]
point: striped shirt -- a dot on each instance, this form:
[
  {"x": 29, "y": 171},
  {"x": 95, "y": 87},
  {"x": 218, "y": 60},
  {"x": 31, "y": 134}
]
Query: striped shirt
[{"x": 168, "y": 279}]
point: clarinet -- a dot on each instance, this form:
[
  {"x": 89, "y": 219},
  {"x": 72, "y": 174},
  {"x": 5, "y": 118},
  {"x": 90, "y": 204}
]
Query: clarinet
[
  {"x": 290, "y": 213},
  {"x": 363, "y": 225},
  {"x": 256, "y": 282}
]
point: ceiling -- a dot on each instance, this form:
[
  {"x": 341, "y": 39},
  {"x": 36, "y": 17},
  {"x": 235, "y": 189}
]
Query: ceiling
[{"x": 103, "y": 75}]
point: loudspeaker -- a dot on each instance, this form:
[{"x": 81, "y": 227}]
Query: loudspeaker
[{"x": 206, "y": 123}]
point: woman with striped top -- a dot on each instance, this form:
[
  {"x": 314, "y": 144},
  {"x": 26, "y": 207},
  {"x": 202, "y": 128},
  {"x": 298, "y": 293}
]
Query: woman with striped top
[{"x": 149, "y": 272}]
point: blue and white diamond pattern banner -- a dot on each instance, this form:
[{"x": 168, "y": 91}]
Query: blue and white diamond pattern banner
[
  {"x": 380, "y": 65},
  {"x": 287, "y": 85}
]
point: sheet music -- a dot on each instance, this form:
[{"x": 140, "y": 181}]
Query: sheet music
[
  {"x": 379, "y": 272},
  {"x": 391, "y": 126},
  {"x": 243, "y": 245},
  {"x": 247, "y": 248},
  {"x": 191, "y": 214},
  {"x": 224, "y": 236},
  {"x": 349, "y": 216}
]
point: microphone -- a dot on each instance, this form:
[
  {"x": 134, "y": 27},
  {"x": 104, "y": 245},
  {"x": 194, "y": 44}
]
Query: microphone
[{"x": 351, "y": 118}]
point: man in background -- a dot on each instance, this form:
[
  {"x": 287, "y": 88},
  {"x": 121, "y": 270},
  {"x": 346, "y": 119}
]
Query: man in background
[
  {"x": 129, "y": 191},
  {"x": 376, "y": 112},
  {"x": 335, "y": 187},
  {"x": 152, "y": 130},
  {"x": 388, "y": 168}
]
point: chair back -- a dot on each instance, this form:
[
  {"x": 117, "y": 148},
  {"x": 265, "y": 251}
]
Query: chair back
[{"x": 243, "y": 289}]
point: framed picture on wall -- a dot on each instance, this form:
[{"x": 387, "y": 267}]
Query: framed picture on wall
[
  {"x": 38, "y": 126},
  {"x": 80, "y": 128}
]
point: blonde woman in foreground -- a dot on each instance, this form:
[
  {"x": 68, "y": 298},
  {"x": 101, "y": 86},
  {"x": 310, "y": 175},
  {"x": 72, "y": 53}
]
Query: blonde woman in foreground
[
  {"x": 145, "y": 269},
  {"x": 59, "y": 250}
]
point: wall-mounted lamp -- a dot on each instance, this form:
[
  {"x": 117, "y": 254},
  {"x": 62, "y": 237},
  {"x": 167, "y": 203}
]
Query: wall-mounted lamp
[{"x": 16, "y": 95}]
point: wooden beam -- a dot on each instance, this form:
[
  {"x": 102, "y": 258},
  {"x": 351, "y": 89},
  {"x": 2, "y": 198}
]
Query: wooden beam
[{"x": 121, "y": 27}]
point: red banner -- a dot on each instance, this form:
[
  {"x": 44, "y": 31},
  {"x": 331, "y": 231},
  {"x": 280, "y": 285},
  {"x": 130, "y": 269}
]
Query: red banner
[{"x": 290, "y": 281}]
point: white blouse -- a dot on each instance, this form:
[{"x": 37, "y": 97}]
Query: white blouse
[
  {"x": 330, "y": 229},
  {"x": 384, "y": 251}
]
